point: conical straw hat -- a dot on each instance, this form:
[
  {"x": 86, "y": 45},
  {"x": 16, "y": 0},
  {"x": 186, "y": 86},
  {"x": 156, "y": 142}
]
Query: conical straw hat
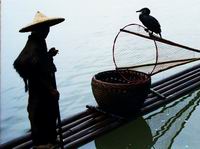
[{"x": 41, "y": 20}]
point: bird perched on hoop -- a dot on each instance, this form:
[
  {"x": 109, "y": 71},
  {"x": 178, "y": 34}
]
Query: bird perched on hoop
[{"x": 149, "y": 21}]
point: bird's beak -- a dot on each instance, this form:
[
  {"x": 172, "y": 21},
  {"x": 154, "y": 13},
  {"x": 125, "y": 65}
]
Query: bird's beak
[{"x": 138, "y": 11}]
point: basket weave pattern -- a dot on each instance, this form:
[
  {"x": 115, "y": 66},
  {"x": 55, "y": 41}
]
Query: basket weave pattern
[{"x": 112, "y": 92}]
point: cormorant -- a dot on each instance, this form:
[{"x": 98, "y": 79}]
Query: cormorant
[{"x": 149, "y": 21}]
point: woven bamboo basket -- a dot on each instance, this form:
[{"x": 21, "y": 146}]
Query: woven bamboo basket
[{"x": 114, "y": 93}]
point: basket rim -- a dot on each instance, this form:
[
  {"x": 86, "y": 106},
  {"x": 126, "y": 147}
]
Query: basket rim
[{"x": 119, "y": 84}]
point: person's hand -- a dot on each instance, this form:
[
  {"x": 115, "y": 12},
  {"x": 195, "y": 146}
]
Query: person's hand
[
  {"x": 55, "y": 94},
  {"x": 53, "y": 51}
]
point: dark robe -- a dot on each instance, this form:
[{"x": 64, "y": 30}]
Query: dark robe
[{"x": 42, "y": 107}]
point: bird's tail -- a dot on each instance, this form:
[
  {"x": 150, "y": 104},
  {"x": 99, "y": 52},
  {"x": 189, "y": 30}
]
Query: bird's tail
[{"x": 160, "y": 35}]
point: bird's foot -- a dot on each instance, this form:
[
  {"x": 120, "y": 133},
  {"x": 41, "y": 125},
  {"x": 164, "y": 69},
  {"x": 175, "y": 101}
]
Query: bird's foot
[
  {"x": 146, "y": 30},
  {"x": 151, "y": 34}
]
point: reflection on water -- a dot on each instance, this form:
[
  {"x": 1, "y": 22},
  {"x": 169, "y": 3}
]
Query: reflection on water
[
  {"x": 131, "y": 136},
  {"x": 168, "y": 123},
  {"x": 159, "y": 129}
]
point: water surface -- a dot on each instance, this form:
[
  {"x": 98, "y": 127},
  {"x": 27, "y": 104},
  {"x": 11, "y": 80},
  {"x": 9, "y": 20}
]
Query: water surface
[{"x": 85, "y": 44}]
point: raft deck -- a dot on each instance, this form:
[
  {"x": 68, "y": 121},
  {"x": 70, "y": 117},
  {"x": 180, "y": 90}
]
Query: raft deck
[{"x": 93, "y": 122}]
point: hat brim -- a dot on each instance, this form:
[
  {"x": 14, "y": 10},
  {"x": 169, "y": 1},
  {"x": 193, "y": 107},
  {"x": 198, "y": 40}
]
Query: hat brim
[{"x": 34, "y": 26}]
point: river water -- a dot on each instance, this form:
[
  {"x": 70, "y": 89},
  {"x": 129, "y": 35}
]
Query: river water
[{"x": 85, "y": 43}]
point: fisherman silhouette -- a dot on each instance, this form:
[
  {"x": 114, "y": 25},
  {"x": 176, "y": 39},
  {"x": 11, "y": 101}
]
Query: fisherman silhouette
[
  {"x": 149, "y": 21},
  {"x": 35, "y": 65}
]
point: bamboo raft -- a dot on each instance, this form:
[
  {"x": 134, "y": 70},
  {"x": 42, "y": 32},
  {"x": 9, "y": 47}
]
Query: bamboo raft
[{"x": 93, "y": 122}]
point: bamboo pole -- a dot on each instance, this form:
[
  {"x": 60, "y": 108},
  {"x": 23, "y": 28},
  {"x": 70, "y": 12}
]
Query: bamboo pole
[
  {"x": 186, "y": 75},
  {"x": 24, "y": 145},
  {"x": 162, "y": 84},
  {"x": 90, "y": 135},
  {"x": 174, "y": 96},
  {"x": 192, "y": 68},
  {"x": 16, "y": 142},
  {"x": 183, "y": 62},
  {"x": 83, "y": 125},
  {"x": 88, "y": 130},
  {"x": 178, "y": 82},
  {"x": 168, "y": 91},
  {"x": 75, "y": 117},
  {"x": 161, "y": 40},
  {"x": 104, "y": 112},
  {"x": 79, "y": 121}
]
